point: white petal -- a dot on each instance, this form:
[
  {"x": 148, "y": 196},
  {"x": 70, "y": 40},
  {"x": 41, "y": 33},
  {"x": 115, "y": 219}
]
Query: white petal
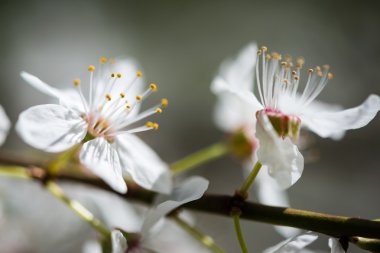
[
  {"x": 92, "y": 246},
  {"x": 5, "y": 124},
  {"x": 119, "y": 243},
  {"x": 334, "y": 124},
  {"x": 102, "y": 159},
  {"x": 294, "y": 244},
  {"x": 190, "y": 190},
  {"x": 52, "y": 128},
  {"x": 285, "y": 163},
  {"x": 173, "y": 239},
  {"x": 40, "y": 85},
  {"x": 335, "y": 246},
  {"x": 237, "y": 73},
  {"x": 232, "y": 113},
  {"x": 143, "y": 164},
  {"x": 270, "y": 193}
]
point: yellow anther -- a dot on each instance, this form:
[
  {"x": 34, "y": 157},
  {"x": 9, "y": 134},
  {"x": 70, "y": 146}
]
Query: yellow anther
[
  {"x": 139, "y": 74},
  {"x": 310, "y": 71},
  {"x": 118, "y": 75},
  {"x": 301, "y": 60},
  {"x": 153, "y": 86},
  {"x": 317, "y": 68},
  {"x": 122, "y": 94},
  {"x": 76, "y": 82},
  {"x": 164, "y": 102},
  {"x": 113, "y": 75},
  {"x": 326, "y": 67},
  {"x": 103, "y": 60},
  {"x": 108, "y": 97},
  {"x": 149, "y": 124},
  {"x": 268, "y": 56},
  {"x": 138, "y": 97},
  {"x": 264, "y": 49},
  {"x": 290, "y": 64},
  {"x": 319, "y": 73},
  {"x": 330, "y": 75},
  {"x": 294, "y": 72},
  {"x": 284, "y": 63},
  {"x": 288, "y": 58},
  {"x": 276, "y": 56},
  {"x": 91, "y": 68},
  {"x": 128, "y": 107},
  {"x": 296, "y": 78},
  {"x": 155, "y": 126},
  {"x": 158, "y": 110},
  {"x": 259, "y": 52},
  {"x": 285, "y": 81}
]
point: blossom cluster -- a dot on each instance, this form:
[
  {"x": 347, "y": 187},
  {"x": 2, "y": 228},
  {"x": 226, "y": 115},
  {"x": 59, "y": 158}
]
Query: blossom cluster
[{"x": 264, "y": 98}]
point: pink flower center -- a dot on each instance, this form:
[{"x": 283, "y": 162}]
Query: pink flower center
[{"x": 285, "y": 125}]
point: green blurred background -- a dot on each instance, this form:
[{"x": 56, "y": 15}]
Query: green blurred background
[{"x": 180, "y": 45}]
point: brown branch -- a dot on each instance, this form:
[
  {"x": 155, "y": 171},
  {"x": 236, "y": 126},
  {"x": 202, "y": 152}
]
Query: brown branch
[{"x": 332, "y": 225}]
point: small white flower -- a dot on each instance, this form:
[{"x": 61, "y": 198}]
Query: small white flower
[
  {"x": 282, "y": 110},
  {"x": 104, "y": 123},
  {"x": 235, "y": 113},
  {"x": 5, "y": 124}
]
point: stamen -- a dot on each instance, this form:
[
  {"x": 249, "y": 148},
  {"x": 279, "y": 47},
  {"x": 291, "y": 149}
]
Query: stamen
[
  {"x": 108, "y": 97},
  {"x": 103, "y": 60},
  {"x": 164, "y": 102},
  {"x": 122, "y": 94},
  {"x": 91, "y": 68},
  {"x": 76, "y": 82},
  {"x": 139, "y": 74}
]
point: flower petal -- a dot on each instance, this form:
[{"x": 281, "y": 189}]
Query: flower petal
[
  {"x": 238, "y": 73},
  {"x": 335, "y": 246},
  {"x": 285, "y": 163},
  {"x": 69, "y": 98},
  {"x": 119, "y": 243},
  {"x": 334, "y": 124},
  {"x": 5, "y": 124},
  {"x": 102, "y": 159},
  {"x": 190, "y": 190},
  {"x": 40, "y": 85},
  {"x": 232, "y": 112},
  {"x": 294, "y": 244},
  {"x": 52, "y": 128},
  {"x": 143, "y": 164}
]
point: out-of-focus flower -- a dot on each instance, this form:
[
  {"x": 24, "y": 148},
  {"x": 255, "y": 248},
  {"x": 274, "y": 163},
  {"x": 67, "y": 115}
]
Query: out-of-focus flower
[
  {"x": 5, "y": 124},
  {"x": 235, "y": 114},
  {"x": 156, "y": 233},
  {"x": 294, "y": 244},
  {"x": 103, "y": 123},
  {"x": 298, "y": 244}
]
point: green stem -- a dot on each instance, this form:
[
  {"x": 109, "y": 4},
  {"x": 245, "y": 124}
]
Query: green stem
[
  {"x": 239, "y": 233},
  {"x": 62, "y": 160},
  {"x": 78, "y": 208},
  {"x": 251, "y": 177},
  {"x": 14, "y": 171},
  {"x": 204, "y": 155},
  {"x": 206, "y": 240}
]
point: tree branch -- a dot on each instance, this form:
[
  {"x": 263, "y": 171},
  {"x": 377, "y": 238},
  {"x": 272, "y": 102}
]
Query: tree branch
[{"x": 332, "y": 225}]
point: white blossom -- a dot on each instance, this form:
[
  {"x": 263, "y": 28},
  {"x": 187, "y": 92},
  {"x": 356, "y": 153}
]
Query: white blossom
[
  {"x": 104, "y": 123},
  {"x": 5, "y": 124}
]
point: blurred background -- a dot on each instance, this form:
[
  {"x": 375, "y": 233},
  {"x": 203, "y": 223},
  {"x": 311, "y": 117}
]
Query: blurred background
[{"x": 180, "y": 45}]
